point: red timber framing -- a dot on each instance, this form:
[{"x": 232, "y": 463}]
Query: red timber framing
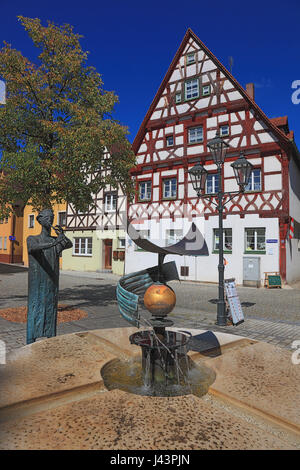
[
  {"x": 98, "y": 218},
  {"x": 250, "y": 131}
]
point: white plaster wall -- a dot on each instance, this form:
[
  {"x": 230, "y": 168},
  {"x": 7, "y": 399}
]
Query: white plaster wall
[
  {"x": 205, "y": 268},
  {"x": 273, "y": 182},
  {"x": 271, "y": 164},
  {"x": 293, "y": 252}
]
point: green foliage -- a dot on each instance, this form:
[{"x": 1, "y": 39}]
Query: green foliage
[{"x": 57, "y": 123}]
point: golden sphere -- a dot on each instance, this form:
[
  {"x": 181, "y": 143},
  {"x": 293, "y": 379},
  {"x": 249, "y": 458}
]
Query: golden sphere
[{"x": 159, "y": 299}]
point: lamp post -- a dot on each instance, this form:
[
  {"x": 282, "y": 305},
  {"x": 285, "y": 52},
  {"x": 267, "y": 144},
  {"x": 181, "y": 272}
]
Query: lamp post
[{"x": 242, "y": 170}]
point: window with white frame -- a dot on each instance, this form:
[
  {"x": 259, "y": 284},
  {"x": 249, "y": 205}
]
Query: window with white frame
[
  {"x": 1, "y": 221},
  {"x": 224, "y": 130},
  {"x": 169, "y": 188},
  {"x": 255, "y": 239},
  {"x": 206, "y": 90},
  {"x": 121, "y": 243},
  {"x": 178, "y": 98},
  {"x": 143, "y": 234},
  {"x": 145, "y": 190},
  {"x": 212, "y": 183},
  {"x": 227, "y": 239},
  {"x": 254, "y": 181},
  {"x": 6, "y": 220},
  {"x": 173, "y": 236},
  {"x": 191, "y": 89},
  {"x": 62, "y": 219},
  {"x": 195, "y": 135},
  {"x": 110, "y": 202},
  {"x": 170, "y": 140},
  {"x": 5, "y": 243},
  {"x": 31, "y": 221},
  {"x": 83, "y": 246},
  {"x": 190, "y": 58}
]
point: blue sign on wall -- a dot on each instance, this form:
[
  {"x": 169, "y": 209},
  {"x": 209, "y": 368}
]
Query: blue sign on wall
[
  {"x": 272, "y": 240},
  {"x": 12, "y": 238}
]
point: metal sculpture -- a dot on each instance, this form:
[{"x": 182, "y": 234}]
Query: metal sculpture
[
  {"x": 132, "y": 286},
  {"x": 43, "y": 277},
  {"x": 163, "y": 352}
]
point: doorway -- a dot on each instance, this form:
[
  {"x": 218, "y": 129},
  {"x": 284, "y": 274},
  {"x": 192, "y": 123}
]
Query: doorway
[{"x": 107, "y": 253}]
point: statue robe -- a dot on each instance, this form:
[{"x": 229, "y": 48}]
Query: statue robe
[{"x": 43, "y": 280}]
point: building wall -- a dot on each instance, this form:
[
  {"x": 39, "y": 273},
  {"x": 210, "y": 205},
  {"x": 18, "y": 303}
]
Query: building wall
[
  {"x": 18, "y": 245},
  {"x": 166, "y": 147},
  {"x": 95, "y": 261},
  {"x": 5, "y": 232},
  {"x": 36, "y": 230},
  {"x": 101, "y": 221},
  {"x": 205, "y": 268},
  {"x": 10, "y": 254},
  {"x": 293, "y": 245}
]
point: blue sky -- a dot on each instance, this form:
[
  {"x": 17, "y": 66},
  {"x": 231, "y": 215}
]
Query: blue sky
[{"x": 132, "y": 43}]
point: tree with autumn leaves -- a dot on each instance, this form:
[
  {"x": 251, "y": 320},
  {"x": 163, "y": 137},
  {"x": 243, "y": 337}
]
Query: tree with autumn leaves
[{"x": 57, "y": 125}]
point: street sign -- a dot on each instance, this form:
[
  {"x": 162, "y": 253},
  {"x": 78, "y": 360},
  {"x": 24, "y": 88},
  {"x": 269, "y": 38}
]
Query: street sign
[
  {"x": 2, "y": 92},
  {"x": 12, "y": 238},
  {"x": 233, "y": 300}
]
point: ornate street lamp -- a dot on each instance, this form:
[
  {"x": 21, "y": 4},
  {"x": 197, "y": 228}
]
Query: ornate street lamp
[
  {"x": 242, "y": 170},
  {"x": 198, "y": 178},
  {"x": 218, "y": 148}
]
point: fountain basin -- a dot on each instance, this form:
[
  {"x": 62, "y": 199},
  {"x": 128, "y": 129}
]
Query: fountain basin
[{"x": 54, "y": 397}]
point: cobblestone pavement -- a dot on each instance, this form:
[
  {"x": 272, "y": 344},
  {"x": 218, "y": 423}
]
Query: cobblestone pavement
[{"x": 270, "y": 315}]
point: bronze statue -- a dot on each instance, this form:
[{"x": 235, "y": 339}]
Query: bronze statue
[{"x": 43, "y": 277}]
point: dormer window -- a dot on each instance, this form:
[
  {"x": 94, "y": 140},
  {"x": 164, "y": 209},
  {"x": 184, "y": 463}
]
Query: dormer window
[{"x": 190, "y": 58}]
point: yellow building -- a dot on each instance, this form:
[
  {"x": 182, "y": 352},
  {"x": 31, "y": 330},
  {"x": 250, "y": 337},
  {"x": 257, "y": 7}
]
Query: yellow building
[
  {"x": 11, "y": 239},
  {"x": 32, "y": 227}
]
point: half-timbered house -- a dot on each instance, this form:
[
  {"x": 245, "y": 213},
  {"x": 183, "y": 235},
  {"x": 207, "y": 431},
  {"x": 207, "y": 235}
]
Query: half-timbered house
[
  {"x": 98, "y": 235},
  {"x": 197, "y": 97}
]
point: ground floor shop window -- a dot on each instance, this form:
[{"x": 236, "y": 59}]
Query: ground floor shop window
[
  {"x": 255, "y": 239},
  {"x": 173, "y": 236},
  {"x": 227, "y": 240}
]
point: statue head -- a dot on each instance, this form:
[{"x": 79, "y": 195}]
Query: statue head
[{"x": 45, "y": 218}]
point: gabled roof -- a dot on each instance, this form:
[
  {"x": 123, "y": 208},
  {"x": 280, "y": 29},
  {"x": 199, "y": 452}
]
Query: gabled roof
[{"x": 190, "y": 34}]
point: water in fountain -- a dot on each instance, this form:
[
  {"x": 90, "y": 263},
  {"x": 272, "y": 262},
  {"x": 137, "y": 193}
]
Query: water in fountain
[{"x": 166, "y": 369}]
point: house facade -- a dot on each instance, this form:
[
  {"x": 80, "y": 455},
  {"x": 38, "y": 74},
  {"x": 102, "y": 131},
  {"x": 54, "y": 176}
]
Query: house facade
[
  {"x": 98, "y": 235},
  {"x": 11, "y": 239},
  {"x": 196, "y": 98}
]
